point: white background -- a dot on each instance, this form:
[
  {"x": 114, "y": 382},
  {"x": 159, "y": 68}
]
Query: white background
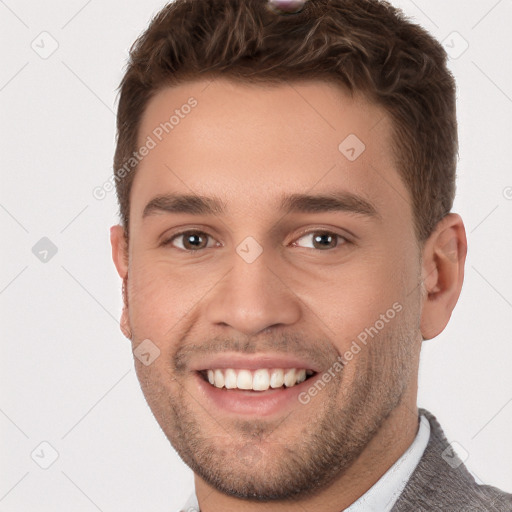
[{"x": 67, "y": 371}]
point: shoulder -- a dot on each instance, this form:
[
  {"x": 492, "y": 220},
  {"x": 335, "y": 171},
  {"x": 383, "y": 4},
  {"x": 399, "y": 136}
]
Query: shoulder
[{"x": 442, "y": 482}]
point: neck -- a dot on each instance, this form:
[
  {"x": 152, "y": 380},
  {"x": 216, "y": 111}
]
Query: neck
[{"x": 387, "y": 446}]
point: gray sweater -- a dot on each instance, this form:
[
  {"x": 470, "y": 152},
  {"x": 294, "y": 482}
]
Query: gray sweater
[{"x": 444, "y": 484}]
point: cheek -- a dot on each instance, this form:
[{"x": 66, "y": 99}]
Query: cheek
[
  {"x": 156, "y": 298},
  {"x": 353, "y": 298},
  {"x": 365, "y": 308},
  {"x": 164, "y": 297}
]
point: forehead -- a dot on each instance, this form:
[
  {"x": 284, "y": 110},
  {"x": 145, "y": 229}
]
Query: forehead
[{"x": 252, "y": 144}]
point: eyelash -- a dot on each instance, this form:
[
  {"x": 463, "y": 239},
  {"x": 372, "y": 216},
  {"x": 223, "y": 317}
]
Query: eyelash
[{"x": 344, "y": 240}]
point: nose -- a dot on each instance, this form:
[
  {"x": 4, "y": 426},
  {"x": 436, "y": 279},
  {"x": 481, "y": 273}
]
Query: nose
[{"x": 253, "y": 297}]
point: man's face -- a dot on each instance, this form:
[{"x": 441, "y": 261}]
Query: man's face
[{"x": 258, "y": 286}]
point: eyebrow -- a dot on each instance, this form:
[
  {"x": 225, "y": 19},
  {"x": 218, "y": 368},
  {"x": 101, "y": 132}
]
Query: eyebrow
[{"x": 294, "y": 203}]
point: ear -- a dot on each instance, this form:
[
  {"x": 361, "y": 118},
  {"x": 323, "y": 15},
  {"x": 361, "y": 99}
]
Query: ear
[
  {"x": 443, "y": 259},
  {"x": 119, "y": 245}
]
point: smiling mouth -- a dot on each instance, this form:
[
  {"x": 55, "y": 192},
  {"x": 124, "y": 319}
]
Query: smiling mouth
[{"x": 256, "y": 380}]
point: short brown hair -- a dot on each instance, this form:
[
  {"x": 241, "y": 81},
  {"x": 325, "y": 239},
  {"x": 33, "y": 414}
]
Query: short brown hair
[{"x": 364, "y": 45}]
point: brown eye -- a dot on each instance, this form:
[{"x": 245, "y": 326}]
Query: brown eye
[
  {"x": 190, "y": 240},
  {"x": 323, "y": 240}
]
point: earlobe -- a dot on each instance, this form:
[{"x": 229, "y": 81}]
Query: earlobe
[
  {"x": 444, "y": 256},
  {"x": 119, "y": 250},
  {"x": 120, "y": 257}
]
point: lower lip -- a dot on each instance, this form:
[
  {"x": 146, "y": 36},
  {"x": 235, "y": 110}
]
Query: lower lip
[{"x": 260, "y": 403}]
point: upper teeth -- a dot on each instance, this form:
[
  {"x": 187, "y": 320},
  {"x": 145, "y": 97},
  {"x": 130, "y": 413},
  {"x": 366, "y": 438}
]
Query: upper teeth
[{"x": 257, "y": 380}]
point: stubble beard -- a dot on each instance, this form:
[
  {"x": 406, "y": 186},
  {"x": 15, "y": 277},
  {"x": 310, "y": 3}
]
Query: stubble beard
[{"x": 263, "y": 460}]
